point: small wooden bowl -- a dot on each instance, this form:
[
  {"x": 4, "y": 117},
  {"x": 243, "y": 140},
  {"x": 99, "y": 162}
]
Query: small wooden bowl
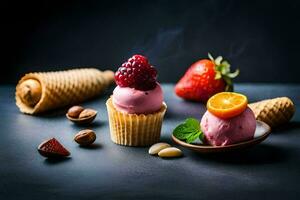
[
  {"x": 82, "y": 121},
  {"x": 262, "y": 131}
]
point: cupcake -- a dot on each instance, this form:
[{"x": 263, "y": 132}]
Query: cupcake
[{"x": 136, "y": 108}]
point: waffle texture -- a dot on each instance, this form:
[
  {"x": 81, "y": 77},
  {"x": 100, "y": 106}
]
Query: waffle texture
[
  {"x": 133, "y": 129},
  {"x": 274, "y": 112},
  {"x": 63, "y": 88}
]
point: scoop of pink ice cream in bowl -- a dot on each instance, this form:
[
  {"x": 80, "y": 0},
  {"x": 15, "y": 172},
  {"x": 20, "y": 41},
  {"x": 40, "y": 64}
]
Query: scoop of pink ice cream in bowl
[{"x": 227, "y": 125}]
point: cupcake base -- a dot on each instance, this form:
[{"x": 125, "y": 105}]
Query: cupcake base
[{"x": 134, "y": 129}]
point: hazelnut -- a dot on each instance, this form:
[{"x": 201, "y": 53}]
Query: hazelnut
[
  {"x": 75, "y": 111},
  {"x": 87, "y": 113},
  {"x": 85, "y": 137}
]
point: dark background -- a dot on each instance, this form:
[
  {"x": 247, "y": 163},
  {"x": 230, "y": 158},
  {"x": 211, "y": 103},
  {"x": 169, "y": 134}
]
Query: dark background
[{"x": 259, "y": 37}]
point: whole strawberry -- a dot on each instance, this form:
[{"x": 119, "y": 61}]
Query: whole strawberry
[{"x": 205, "y": 78}]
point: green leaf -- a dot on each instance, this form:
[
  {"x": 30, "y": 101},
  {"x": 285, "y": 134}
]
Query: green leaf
[
  {"x": 218, "y": 68},
  {"x": 218, "y": 60},
  {"x": 225, "y": 64},
  {"x": 193, "y": 137},
  {"x": 224, "y": 71},
  {"x": 227, "y": 80},
  {"x": 189, "y": 130},
  {"x": 210, "y": 57},
  {"x": 233, "y": 74},
  {"x": 225, "y": 67},
  {"x": 218, "y": 75},
  {"x": 222, "y": 68},
  {"x": 192, "y": 122},
  {"x": 181, "y": 131},
  {"x": 229, "y": 88},
  {"x": 229, "y": 85},
  {"x": 201, "y": 136}
]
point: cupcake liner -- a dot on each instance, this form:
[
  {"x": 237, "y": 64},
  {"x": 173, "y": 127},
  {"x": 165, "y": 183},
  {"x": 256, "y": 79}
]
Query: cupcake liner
[{"x": 134, "y": 129}]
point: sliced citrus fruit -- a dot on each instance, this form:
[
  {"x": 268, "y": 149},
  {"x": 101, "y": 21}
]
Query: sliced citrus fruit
[{"x": 227, "y": 104}]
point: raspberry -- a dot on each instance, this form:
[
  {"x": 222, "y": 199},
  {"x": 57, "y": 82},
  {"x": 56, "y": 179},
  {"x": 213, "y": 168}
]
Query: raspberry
[
  {"x": 136, "y": 73},
  {"x": 139, "y": 58}
]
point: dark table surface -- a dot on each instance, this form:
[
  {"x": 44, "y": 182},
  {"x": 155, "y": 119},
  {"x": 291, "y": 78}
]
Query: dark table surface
[{"x": 270, "y": 170}]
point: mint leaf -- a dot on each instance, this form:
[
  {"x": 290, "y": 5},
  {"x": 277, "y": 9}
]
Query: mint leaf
[
  {"x": 193, "y": 123},
  {"x": 189, "y": 130},
  {"x": 193, "y": 137},
  {"x": 201, "y": 136},
  {"x": 181, "y": 131}
]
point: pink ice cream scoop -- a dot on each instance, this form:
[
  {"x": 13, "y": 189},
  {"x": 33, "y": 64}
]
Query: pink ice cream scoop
[
  {"x": 221, "y": 132},
  {"x": 130, "y": 100}
]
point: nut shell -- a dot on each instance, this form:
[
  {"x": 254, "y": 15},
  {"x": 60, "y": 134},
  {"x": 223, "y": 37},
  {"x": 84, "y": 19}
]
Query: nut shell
[{"x": 87, "y": 116}]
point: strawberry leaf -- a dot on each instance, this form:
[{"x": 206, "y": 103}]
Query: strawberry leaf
[
  {"x": 218, "y": 60},
  {"x": 222, "y": 68},
  {"x": 229, "y": 85},
  {"x": 210, "y": 57},
  {"x": 225, "y": 64},
  {"x": 225, "y": 69},
  {"x": 233, "y": 74},
  {"x": 218, "y": 75}
]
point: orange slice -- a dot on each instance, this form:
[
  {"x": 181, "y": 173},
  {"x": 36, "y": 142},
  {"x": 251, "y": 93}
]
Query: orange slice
[{"x": 227, "y": 104}]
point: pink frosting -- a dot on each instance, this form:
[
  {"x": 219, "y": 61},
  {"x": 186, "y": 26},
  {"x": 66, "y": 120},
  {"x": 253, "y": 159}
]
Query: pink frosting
[
  {"x": 130, "y": 100},
  {"x": 221, "y": 132}
]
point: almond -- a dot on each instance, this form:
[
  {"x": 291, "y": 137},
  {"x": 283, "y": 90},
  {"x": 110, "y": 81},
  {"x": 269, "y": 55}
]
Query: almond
[
  {"x": 155, "y": 148},
  {"x": 170, "y": 152}
]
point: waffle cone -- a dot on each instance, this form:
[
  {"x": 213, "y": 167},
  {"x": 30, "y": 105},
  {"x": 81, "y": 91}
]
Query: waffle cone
[
  {"x": 274, "y": 111},
  {"x": 134, "y": 129},
  {"x": 62, "y": 88}
]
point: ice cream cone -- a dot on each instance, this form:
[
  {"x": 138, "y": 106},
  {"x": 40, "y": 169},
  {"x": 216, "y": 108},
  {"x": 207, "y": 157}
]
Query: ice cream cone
[
  {"x": 134, "y": 129},
  {"x": 275, "y": 111},
  {"x": 42, "y": 91}
]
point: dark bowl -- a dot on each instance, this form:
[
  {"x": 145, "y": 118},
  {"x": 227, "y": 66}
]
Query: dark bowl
[{"x": 262, "y": 131}]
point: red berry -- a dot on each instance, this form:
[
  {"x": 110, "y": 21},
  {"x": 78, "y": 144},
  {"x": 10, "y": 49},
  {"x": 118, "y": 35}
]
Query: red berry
[
  {"x": 139, "y": 58},
  {"x": 136, "y": 73},
  {"x": 199, "y": 83},
  {"x": 206, "y": 78},
  {"x": 52, "y": 148}
]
